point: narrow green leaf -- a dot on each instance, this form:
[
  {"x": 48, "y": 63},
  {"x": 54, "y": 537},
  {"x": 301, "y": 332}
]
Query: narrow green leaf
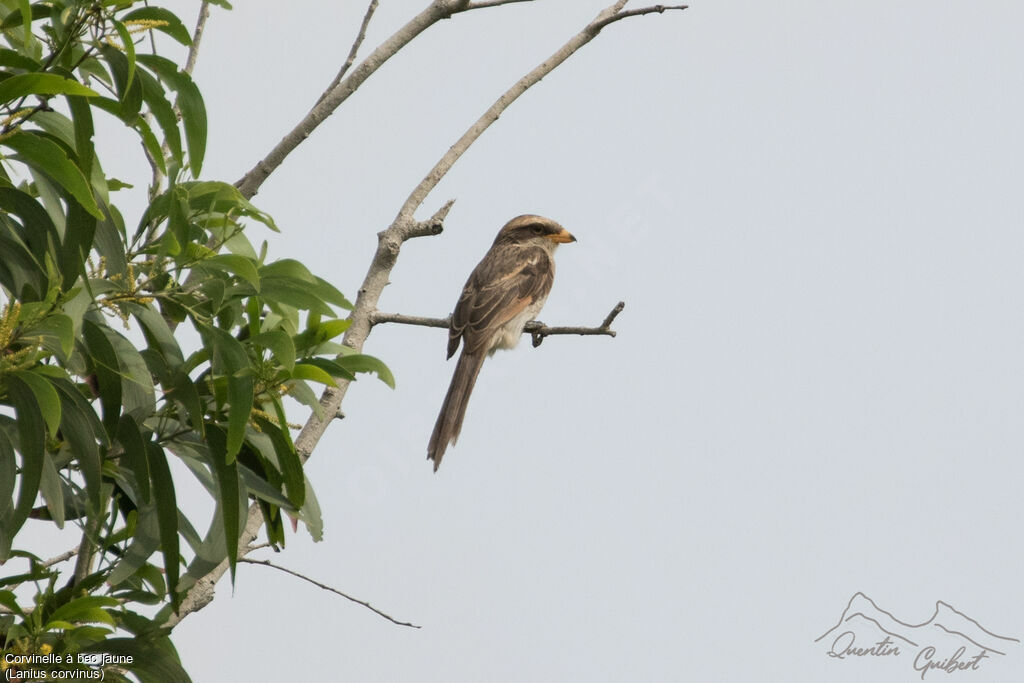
[
  {"x": 163, "y": 112},
  {"x": 189, "y": 103},
  {"x": 129, "y": 49},
  {"x": 279, "y": 343},
  {"x": 359, "y": 362},
  {"x": 31, "y": 429},
  {"x": 45, "y": 395},
  {"x": 174, "y": 28},
  {"x": 134, "y": 457},
  {"x": 56, "y": 333},
  {"x": 288, "y": 460},
  {"x": 226, "y": 471},
  {"x": 312, "y": 373},
  {"x": 232, "y": 362},
  {"x": 108, "y": 372},
  {"x": 48, "y": 157},
  {"x": 52, "y": 491},
  {"x": 237, "y": 265},
  {"x": 85, "y": 609},
  {"x": 167, "y": 515},
  {"x": 144, "y": 543},
  {"x": 81, "y": 115},
  {"x": 41, "y": 84},
  {"x": 153, "y": 660},
  {"x": 310, "y": 514},
  {"x": 80, "y": 429}
]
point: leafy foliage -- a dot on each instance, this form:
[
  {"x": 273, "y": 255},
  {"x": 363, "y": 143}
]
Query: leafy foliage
[{"x": 98, "y": 398}]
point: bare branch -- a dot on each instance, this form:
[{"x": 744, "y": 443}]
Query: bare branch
[
  {"x": 356, "y": 44},
  {"x": 658, "y": 9},
  {"x": 535, "y": 328},
  {"x": 441, "y": 168},
  {"x": 492, "y": 3},
  {"x": 268, "y": 563},
  {"x": 190, "y": 65},
  {"x": 63, "y": 557},
  {"x": 197, "y": 37},
  {"x": 539, "y": 330},
  {"x": 250, "y": 183}
]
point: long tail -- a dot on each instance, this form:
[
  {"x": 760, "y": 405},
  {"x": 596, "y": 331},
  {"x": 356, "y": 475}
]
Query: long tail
[{"x": 453, "y": 410}]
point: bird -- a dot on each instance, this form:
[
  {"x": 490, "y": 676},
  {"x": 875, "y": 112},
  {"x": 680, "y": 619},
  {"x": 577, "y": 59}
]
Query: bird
[{"x": 506, "y": 290}]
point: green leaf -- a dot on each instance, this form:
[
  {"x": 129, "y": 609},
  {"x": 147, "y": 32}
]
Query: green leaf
[
  {"x": 174, "y": 28},
  {"x": 56, "y": 334},
  {"x": 237, "y": 265},
  {"x": 153, "y": 660},
  {"x": 31, "y": 429},
  {"x": 232, "y": 362},
  {"x": 313, "y": 373},
  {"x": 85, "y": 609},
  {"x": 144, "y": 543},
  {"x": 39, "y": 11},
  {"x": 81, "y": 115},
  {"x": 358, "y": 362},
  {"x": 134, "y": 457},
  {"x": 330, "y": 294},
  {"x": 189, "y": 103},
  {"x": 129, "y": 91},
  {"x": 107, "y": 369},
  {"x": 288, "y": 460},
  {"x": 167, "y": 515},
  {"x": 23, "y": 85},
  {"x": 45, "y": 395},
  {"x": 226, "y": 471},
  {"x": 47, "y": 156},
  {"x": 310, "y": 514},
  {"x": 80, "y": 428},
  {"x": 279, "y": 343},
  {"x": 52, "y": 491},
  {"x": 129, "y": 49},
  {"x": 163, "y": 112}
]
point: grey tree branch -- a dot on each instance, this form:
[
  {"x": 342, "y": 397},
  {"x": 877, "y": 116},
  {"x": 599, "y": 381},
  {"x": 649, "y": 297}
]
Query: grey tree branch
[
  {"x": 197, "y": 37},
  {"x": 353, "y": 51},
  {"x": 250, "y": 183},
  {"x": 535, "y": 328},
  {"x": 492, "y": 3},
  {"x": 638, "y": 12},
  {"x": 268, "y": 563},
  {"x": 190, "y": 65}
]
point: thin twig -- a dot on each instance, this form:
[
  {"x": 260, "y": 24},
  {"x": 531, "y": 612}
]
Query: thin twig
[
  {"x": 60, "y": 558},
  {"x": 445, "y": 163},
  {"x": 492, "y": 3},
  {"x": 640, "y": 11},
  {"x": 197, "y": 37},
  {"x": 535, "y": 328},
  {"x": 539, "y": 330},
  {"x": 353, "y": 51},
  {"x": 190, "y": 64},
  {"x": 316, "y": 583}
]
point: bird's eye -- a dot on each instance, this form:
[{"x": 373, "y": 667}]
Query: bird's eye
[{"x": 538, "y": 229}]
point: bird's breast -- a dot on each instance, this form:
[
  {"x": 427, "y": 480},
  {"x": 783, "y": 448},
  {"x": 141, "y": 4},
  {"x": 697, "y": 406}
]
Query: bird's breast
[{"x": 509, "y": 334}]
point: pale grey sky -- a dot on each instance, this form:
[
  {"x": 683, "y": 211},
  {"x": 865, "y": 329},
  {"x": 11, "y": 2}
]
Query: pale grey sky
[{"x": 813, "y": 211}]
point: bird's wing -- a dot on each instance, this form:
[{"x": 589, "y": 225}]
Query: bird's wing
[{"x": 503, "y": 284}]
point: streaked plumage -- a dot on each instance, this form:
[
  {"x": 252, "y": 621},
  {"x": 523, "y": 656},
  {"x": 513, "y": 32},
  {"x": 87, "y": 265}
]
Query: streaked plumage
[{"x": 506, "y": 290}]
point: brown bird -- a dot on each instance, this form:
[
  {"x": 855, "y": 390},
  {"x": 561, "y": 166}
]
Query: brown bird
[{"x": 506, "y": 290}]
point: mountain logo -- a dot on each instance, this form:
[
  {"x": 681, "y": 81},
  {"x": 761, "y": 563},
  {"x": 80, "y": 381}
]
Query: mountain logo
[{"x": 949, "y": 641}]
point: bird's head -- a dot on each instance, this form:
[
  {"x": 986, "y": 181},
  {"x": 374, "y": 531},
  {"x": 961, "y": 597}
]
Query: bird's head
[{"x": 531, "y": 229}]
